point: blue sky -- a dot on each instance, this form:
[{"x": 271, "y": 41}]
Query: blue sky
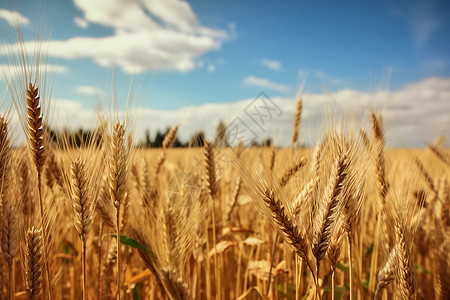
[{"x": 199, "y": 52}]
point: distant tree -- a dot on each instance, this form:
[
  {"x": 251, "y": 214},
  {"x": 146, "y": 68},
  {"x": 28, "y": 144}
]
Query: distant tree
[
  {"x": 147, "y": 140},
  {"x": 267, "y": 142},
  {"x": 197, "y": 139},
  {"x": 221, "y": 139},
  {"x": 157, "y": 142},
  {"x": 177, "y": 143}
]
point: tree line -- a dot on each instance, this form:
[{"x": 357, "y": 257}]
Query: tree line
[{"x": 80, "y": 137}]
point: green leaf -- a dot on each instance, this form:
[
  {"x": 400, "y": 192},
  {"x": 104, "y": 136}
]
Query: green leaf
[
  {"x": 67, "y": 246},
  {"x": 369, "y": 250},
  {"x": 135, "y": 244},
  {"x": 365, "y": 283},
  {"x": 137, "y": 291},
  {"x": 422, "y": 269},
  {"x": 339, "y": 291},
  {"x": 130, "y": 242},
  {"x": 342, "y": 267},
  {"x": 64, "y": 246},
  {"x": 290, "y": 293}
]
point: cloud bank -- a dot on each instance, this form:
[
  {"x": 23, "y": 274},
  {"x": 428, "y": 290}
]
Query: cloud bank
[
  {"x": 414, "y": 114},
  {"x": 148, "y": 35},
  {"x": 13, "y": 18}
]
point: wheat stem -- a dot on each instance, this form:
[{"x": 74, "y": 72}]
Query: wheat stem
[
  {"x": 272, "y": 259},
  {"x": 10, "y": 286},
  {"x": 83, "y": 267},
  {"x": 99, "y": 289},
  {"x": 350, "y": 271},
  {"x": 333, "y": 282},
  {"x": 45, "y": 241},
  {"x": 118, "y": 253}
]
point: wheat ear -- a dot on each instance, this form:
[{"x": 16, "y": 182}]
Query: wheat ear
[
  {"x": 285, "y": 226},
  {"x": 425, "y": 175},
  {"x": 33, "y": 262},
  {"x": 378, "y": 140},
  {"x": 298, "y": 112},
  {"x": 297, "y": 166},
  {"x": 439, "y": 154},
  {"x": 272, "y": 158},
  {"x": 83, "y": 212},
  {"x": 443, "y": 264},
  {"x": 304, "y": 195},
  {"x": 386, "y": 274},
  {"x": 175, "y": 286},
  {"x": 444, "y": 195},
  {"x": 405, "y": 274},
  {"x": 330, "y": 209},
  {"x": 9, "y": 241}
]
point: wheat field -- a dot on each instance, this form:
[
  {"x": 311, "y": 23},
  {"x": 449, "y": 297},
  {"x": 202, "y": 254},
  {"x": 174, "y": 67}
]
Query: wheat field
[{"x": 346, "y": 219}]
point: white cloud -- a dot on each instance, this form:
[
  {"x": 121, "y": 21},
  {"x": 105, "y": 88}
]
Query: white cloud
[
  {"x": 16, "y": 70},
  {"x": 89, "y": 90},
  {"x": 211, "y": 68},
  {"x": 413, "y": 115},
  {"x": 265, "y": 83},
  {"x": 13, "y": 18},
  {"x": 149, "y": 35},
  {"x": 271, "y": 64},
  {"x": 82, "y": 23}
]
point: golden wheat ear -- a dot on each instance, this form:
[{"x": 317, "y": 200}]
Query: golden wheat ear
[
  {"x": 35, "y": 128},
  {"x": 81, "y": 200},
  {"x": 330, "y": 209},
  {"x": 298, "y": 112},
  {"x": 441, "y": 155},
  {"x": 210, "y": 169},
  {"x": 386, "y": 274},
  {"x": 293, "y": 169},
  {"x": 34, "y": 266}
]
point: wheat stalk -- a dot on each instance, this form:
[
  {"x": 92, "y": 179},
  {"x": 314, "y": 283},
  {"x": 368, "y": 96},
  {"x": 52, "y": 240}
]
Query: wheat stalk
[
  {"x": 36, "y": 143},
  {"x": 117, "y": 177},
  {"x": 334, "y": 251},
  {"x": 82, "y": 208},
  {"x": 210, "y": 179}
]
